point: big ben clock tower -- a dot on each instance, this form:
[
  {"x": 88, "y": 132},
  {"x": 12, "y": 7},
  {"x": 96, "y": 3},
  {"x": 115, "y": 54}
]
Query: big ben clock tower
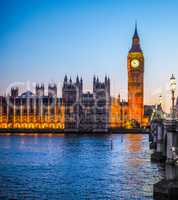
[{"x": 135, "y": 80}]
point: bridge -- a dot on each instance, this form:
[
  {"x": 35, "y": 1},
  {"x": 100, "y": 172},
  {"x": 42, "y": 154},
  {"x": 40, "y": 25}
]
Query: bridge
[{"x": 164, "y": 145}]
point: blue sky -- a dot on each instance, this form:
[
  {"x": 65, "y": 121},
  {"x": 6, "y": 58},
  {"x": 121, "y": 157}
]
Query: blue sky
[{"x": 42, "y": 40}]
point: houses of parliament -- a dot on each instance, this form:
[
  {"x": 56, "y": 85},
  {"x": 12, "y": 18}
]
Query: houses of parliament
[{"x": 77, "y": 110}]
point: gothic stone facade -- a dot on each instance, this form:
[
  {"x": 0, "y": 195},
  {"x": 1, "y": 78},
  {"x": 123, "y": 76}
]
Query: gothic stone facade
[{"x": 86, "y": 111}]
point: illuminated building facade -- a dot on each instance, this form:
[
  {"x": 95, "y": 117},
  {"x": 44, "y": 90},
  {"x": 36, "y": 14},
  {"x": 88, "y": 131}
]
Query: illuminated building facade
[
  {"x": 30, "y": 110},
  {"x": 118, "y": 112}
]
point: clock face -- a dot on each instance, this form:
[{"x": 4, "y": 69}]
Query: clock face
[{"x": 135, "y": 63}]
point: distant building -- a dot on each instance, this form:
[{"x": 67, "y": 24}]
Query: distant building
[{"x": 86, "y": 111}]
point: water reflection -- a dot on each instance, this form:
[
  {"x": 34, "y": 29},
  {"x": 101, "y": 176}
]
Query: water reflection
[
  {"x": 134, "y": 142},
  {"x": 77, "y": 167}
]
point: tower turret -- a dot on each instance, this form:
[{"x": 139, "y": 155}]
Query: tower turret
[
  {"x": 135, "y": 42},
  {"x": 40, "y": 90},
  {"x": 65, "y": 79},
  {"x": 81, "y": 83},
  {"x": 94, "y": 83},
  {"x": 77, "y": 80},
  {"x": 70, "y": 80},
  {"x": 14, "y": 91}
]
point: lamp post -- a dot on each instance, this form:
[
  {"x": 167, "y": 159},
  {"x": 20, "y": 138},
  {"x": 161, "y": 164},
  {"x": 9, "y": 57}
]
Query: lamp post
[
  {"x": 173, "y": 89},
  {"x": 160, "y": 100}
]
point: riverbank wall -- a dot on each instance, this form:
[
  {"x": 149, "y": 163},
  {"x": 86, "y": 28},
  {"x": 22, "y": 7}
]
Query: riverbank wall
[{"x": 56, "y": 131}]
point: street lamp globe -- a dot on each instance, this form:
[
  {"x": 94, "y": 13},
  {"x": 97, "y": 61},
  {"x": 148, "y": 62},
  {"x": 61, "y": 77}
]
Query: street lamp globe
[{"x": 173, "y": 83}]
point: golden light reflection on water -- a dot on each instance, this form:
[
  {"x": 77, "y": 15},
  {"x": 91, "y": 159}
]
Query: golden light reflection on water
[
  {"x": 134, "y": 142},
  {"x": 34, "y": 134},
  {"x": 134, "y": 146}
]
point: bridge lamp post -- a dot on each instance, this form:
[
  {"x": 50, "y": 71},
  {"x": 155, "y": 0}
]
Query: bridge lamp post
[
  {"x": 160, "y": 100},
  {"x": 173, "y": 89}
]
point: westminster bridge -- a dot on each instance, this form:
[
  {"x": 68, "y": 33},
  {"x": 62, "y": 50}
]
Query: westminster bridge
[{"x": 164, "y": 145}]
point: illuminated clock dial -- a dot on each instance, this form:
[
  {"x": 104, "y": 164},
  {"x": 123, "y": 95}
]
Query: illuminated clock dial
[{"x": 135, "y": 63}]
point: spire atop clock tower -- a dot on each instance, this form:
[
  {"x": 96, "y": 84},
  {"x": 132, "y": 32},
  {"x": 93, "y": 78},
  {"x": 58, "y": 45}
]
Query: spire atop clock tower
[
  {"x": 136, "y": 32},
  {"x": 135, "y": 41}
]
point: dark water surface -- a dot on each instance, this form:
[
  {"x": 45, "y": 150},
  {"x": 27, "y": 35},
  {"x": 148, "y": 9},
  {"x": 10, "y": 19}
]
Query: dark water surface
[{"x": 77, "y": 167}]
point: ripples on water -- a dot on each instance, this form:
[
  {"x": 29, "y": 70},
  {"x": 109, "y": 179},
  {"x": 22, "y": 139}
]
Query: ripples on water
[{"x": 77, "y": 167}]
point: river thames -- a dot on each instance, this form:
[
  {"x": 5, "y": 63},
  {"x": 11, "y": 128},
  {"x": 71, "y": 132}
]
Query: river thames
[{"x": 77, "y": 167}]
